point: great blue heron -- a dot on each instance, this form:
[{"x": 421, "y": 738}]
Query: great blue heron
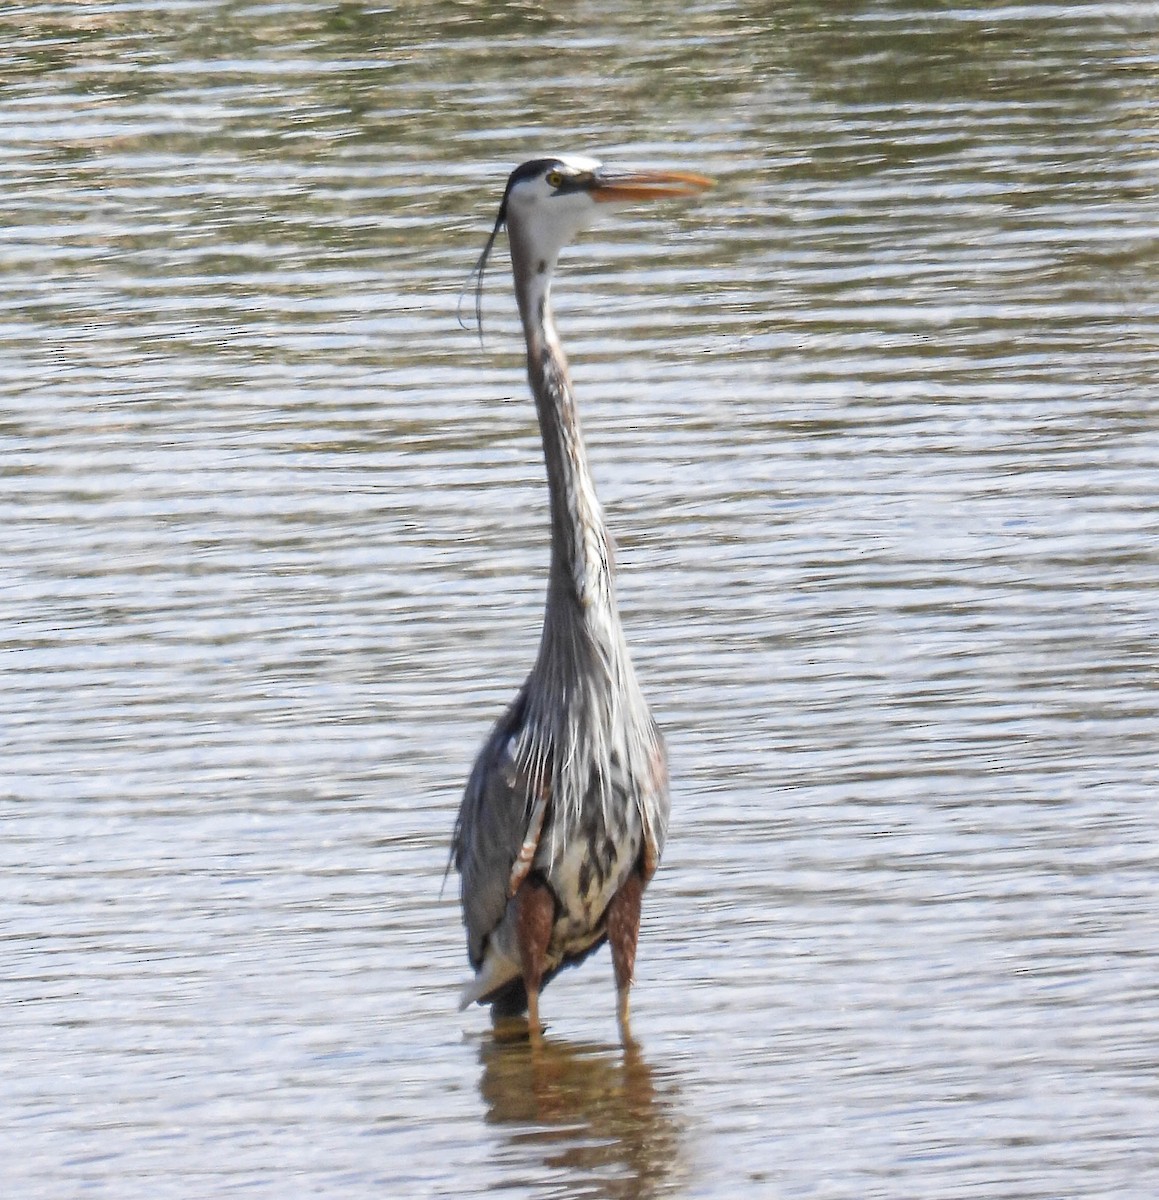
[{"x": 566, "y": 810}]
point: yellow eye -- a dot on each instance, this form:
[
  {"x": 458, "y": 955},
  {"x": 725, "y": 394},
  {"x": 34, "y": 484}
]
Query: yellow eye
[{"x": 555, "y": 179}]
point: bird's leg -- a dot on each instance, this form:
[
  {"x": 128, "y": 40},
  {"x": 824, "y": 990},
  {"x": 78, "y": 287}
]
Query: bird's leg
[
  {"x": 623, "y": 933},
  {"x": 534, "y": 918}
]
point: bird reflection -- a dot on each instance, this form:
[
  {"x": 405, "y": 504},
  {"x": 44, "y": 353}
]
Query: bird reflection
[{"x": 603, "y": 1118}]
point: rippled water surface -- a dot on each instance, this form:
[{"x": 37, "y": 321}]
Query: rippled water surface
[{"x": 876, "y": 424}]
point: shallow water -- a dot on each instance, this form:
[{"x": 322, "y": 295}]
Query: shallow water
[{"x": 875, "y": 424}]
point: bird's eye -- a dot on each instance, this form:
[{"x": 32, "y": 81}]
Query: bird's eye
[{"x": 555, "y": 179}]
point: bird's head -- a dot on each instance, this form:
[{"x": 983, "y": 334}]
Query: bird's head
[{"x": 548, "y": 201}]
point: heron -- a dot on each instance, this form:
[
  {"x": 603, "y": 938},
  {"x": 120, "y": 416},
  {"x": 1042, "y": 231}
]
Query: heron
[{"x": 565, "y": 812}]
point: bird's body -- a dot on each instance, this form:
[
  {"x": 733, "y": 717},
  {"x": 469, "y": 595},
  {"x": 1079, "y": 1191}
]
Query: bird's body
[{"x": 565, "y": 813}]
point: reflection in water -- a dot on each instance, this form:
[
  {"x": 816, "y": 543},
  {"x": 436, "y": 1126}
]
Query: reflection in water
[{"x": 605, "y": 1118}]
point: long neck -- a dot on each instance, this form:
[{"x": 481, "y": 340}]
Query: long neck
[{"x": 581, "y": 547}]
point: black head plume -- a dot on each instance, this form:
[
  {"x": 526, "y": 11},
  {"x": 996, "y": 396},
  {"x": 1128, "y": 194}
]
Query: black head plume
[
  {"x": 478, "y": 269},
  {"x": 527, "y": 170}
]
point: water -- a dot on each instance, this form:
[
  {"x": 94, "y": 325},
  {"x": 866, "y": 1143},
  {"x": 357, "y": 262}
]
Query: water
[{"x": 875, "y": 426}]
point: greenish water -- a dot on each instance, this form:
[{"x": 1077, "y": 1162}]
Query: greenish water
[{"x": 876, "y": 426}]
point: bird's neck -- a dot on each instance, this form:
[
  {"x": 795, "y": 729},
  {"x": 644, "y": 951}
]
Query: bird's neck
[{"x": 581, "y": 547}]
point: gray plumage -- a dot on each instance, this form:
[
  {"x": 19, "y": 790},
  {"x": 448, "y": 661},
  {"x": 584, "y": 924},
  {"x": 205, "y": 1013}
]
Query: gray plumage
[{"x": 570, "y": 790}]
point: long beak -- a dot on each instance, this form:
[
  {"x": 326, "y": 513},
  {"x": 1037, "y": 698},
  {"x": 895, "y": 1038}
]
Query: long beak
[{"x": 624, "y": 186}]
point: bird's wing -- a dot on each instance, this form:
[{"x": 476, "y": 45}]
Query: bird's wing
[
  {"x": 655, "y": 805},
  {"x": 498, "y": 829}
]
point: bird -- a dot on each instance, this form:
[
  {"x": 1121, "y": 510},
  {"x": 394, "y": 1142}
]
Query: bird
[{"x": 565, "y": 813}]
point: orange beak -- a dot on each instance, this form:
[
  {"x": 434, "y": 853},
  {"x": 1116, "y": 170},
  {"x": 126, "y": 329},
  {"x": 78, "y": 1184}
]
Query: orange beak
[{"x": 625, "y": 186}]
